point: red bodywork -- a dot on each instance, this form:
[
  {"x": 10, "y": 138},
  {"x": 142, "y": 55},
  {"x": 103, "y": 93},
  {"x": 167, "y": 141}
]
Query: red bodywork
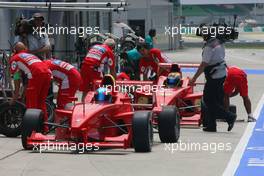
[
  {"x": 156, "y": 95},
  {"x": 92, "y": 123},
  {"x": 96, "y": 124},
  {"x": 182, "y": 97}
]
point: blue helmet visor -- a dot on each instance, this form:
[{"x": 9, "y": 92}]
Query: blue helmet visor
[
  {"x": 172, "y": 81},
  {"x": 101, "y": 95}
]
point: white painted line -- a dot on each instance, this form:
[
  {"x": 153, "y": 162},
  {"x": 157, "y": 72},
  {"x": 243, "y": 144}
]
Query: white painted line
[{"x": 239, "y": 151}]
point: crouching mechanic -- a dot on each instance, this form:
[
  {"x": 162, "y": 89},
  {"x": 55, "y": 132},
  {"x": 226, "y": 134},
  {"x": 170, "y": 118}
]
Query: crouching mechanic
[
  {"x": 68, "y": 77},
  {"x": 99, "y": 60},
  {"x": 148, "y": 64},
  {"x": 236, "y": 82},
  {"x": 38, "y": 75}
]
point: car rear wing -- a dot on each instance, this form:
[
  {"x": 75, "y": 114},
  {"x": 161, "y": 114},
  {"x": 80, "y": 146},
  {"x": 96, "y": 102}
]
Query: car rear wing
[
  {"x": 98, "y": 83},
  {"x": 135, "y": 83},
  {"x": 187, "y": 66},
  {"x": 181, "y": 65},
  {"x": 165, "y": 68}
]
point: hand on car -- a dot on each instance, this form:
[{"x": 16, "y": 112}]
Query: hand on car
[{"x": 192, "y": 81}]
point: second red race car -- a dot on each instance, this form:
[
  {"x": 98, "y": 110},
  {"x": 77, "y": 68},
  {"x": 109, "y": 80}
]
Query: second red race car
[{"x": 170, "y": 97}]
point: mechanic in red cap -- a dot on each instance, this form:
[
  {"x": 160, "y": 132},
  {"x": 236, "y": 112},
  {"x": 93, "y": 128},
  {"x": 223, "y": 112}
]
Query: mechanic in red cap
[
  {"x": 99, "y": 60},
  {"x": 236, "y": 82},
  {"x": 68, "y": 77},
  {"x": 122, "y": 77},
  {"x": 149, "y": 62},
  {"x": 38, "y": 75}
]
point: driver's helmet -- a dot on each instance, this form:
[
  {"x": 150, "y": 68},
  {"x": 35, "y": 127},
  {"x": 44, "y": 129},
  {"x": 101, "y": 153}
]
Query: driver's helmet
[
  {"x": 173, "y": 80},
  {"x": 103, "y": 95}
]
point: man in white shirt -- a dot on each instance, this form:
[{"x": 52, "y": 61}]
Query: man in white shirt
[{"x": 214, "y": 67}]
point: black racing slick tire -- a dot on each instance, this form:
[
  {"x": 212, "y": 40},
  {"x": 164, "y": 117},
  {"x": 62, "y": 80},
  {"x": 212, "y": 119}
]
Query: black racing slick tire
[
  {"x": 169, "y": 124},
  {"x": 32, "y": 121},
  {"x": 142, "y": 131},
  {"x": 11, "y": 118}
]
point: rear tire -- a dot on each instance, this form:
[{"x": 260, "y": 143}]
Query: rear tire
[
  {"x": 142, "y": 131},
  {"x": 169, "y": 125},
  {"x": 32, "y": 121},
  {"x": 11, "y": 118}
]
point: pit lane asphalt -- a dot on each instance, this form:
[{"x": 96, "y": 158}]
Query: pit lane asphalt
[{"x": 14, "y": 161}]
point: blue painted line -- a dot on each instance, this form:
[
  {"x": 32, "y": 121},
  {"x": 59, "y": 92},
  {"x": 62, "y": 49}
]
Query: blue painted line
[
  {"x": 248, "y": 71},
  {"x": 188, "y": 70},
  {"x": 252, "y": 161},
  {"x": 254, "y": 72}
]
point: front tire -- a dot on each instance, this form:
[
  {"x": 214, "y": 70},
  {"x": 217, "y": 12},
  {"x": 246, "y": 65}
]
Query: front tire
[
  {"x": 32, "y": 121},
  {"x": 142, "y": 131},
  {"x": 169, "y": 125}
]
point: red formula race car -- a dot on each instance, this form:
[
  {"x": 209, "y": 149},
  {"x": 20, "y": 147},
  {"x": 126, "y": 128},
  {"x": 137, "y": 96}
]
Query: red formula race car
[
  {"x": 182, "y": 95},
  {"x": 111, "y": 124},
  {"x": 178, "y": 104}
]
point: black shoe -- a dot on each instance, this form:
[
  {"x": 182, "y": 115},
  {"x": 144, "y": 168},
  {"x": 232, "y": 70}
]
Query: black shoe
[
  {"x": 232, "y": 123},
  {"x": 207, "y": 129},
  {"x": 251, "y": 119}
]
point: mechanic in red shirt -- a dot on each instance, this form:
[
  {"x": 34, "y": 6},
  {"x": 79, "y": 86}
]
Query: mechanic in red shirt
[
  {"x": 149, "y": 62},
  {"x": 99, "y": 60},
  {"x": 38, "y": 75},
  {"x": 68, "y": 77},
  {"x": 236, "y": 82},
  {"x": 122, "y": 77}
]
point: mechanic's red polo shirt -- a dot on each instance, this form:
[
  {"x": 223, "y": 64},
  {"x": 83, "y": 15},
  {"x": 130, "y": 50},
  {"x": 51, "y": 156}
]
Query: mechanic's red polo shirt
[
  {"x": 30, "y": 64},
  {"x": 236, "y": 80},
  {"x": 99, "y": 54},
  {"x": 151, "y": 62},
  {"x": 64, "y": 73}
]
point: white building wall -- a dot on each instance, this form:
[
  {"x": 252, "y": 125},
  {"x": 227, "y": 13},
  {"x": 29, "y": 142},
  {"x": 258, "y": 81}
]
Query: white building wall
[
  {"x": 5, "y": 24},
  {"x": 157, "y": 14}
]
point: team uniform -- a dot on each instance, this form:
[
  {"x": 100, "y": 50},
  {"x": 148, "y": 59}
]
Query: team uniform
[
  {"x": 149, "y": 66},
  {"x": 68, "y": 77},
  {"x": 122, "y": 76},
  {"x": 236, "y": 80},
  {"x": 39, "y": 77},
  {"x": 100, "y": 59}
]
